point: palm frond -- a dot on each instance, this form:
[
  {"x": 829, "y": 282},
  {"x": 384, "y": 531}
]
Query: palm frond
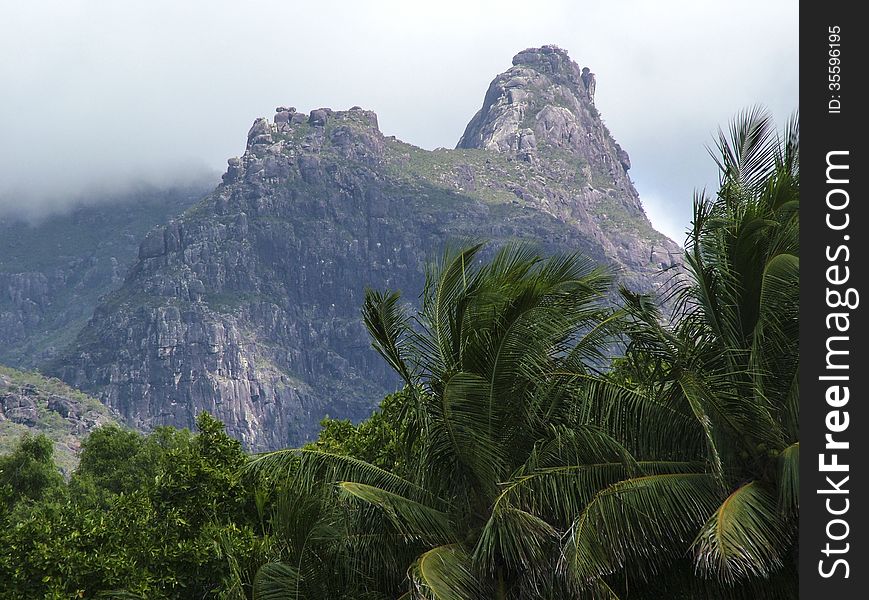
[
  {"x": 746, "y": 153},
  {"x": 789, "y": 480},
  {"x": 413, "y": 519},
  {"x": 276, "y": 581},
  {"x": 635, "y": 522},
  {"x": 648, "y": 425},
  {"x": 744, "y": 537},
  {"x": 388, "y": 326},
  {"x": 775, "y": 343},
  {"x": 562, "y": 492},
  {"x": 445, "y": 573},
  {"x": 465, "y": 417},
  {"x": 515, "y": 538},
  {"x": 454, "y": 284},
  {"x": 311, "y": 468}
]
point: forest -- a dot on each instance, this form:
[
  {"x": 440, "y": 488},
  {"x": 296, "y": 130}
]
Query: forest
[{"x": 555, "y": 436}]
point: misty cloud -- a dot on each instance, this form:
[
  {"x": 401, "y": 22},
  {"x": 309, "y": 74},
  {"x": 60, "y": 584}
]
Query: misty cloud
[{"x": 98, "y": 94}]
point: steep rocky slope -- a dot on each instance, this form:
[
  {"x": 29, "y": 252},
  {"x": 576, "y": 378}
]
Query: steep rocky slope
[
  {"x": 248, "y": 305},
  {"x": 53, "y": 272},
  {"x": 31, "y": 403}
]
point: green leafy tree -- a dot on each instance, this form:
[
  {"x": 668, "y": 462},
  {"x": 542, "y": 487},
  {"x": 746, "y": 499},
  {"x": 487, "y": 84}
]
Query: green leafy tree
[
  {"x": 114, "y": 461},
  {"x": 28, "y": 472},
  {"x": 376, "y": 440},
  {"x": 159, "y": 516}
]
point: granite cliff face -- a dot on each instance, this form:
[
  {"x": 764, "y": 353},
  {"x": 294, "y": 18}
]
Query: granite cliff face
[
  {"x": 248, "y": 304},
  {"x": 542, "y": 111},
  {"x": 53, "y": 272}
]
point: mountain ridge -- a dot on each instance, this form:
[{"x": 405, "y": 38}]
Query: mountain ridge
[{"x": 248, "y": 304}]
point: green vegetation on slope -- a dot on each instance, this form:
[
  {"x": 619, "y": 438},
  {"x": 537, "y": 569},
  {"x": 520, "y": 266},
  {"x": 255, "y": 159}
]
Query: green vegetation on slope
[{"x": 33, "y": 404}]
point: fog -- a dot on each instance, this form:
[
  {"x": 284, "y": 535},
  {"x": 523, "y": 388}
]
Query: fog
[{"x": 97, "y": 96}]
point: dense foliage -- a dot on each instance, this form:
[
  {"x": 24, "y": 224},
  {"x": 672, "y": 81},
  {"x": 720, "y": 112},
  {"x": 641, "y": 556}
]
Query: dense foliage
[
  {"x": 518, "y": 461},
  {"x": 152, "y": 516}
]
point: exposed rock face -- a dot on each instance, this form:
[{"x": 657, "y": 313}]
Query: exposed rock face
[
  {"x": 542, "y": 109},
  {"x": 248, "y": 306},
  {"x": 30, "y": 403},
  {"x": 52, "y": 273},
  {"x": 542, "y": 80},
  {"x": 590, "y": 82}
]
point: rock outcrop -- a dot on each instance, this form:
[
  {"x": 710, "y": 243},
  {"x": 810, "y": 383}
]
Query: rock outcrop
[
  {"x": 30, "y": 403},
  {"x": 541, "y": 111},
  {"x": 248, "y": 305}
]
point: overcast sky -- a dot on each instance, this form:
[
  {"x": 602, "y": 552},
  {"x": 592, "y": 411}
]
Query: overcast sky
[{"x": 95, "y": 94}]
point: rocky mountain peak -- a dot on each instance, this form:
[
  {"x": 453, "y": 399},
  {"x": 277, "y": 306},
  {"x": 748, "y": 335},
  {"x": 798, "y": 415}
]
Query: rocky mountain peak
[
  {"x": 294, "y": 142},
  {"x": 544, "y": 100},
  {"x": 541, "y": 111},
  {"x": 550, "y": 60}
]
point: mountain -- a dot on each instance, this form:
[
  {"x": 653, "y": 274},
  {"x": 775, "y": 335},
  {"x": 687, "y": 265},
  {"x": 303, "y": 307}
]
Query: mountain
[
  {"x": 248, "y": 305},
  {"x": 53, "y": 271},
  {"x": 31, "y": 403}
]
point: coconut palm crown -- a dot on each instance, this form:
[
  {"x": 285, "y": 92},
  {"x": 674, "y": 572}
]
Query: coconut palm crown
[{"x": 719, "y": 385}]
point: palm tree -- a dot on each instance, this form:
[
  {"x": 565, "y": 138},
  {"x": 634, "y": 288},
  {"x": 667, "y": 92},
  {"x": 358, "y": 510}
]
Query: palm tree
[
  {"x": 719, "y": 386},
  {"x": 503, "y": 457},
  {"x": 534, "y": 475}
]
